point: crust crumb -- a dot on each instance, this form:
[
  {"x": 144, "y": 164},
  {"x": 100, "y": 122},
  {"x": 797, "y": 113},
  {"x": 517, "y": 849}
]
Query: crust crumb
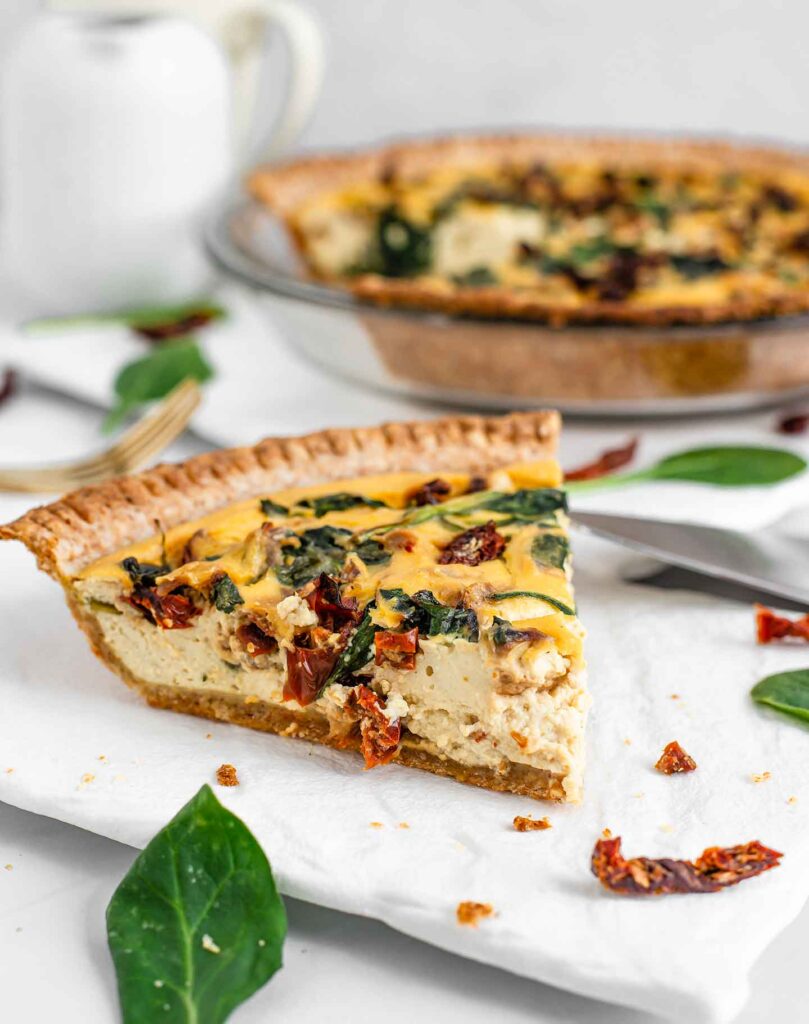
[
  {"x": 86, "y": 779},
  {"x": 792, "y": 800},
  {"x": 763, "y": 777},
  {"x": 9, "y": 771},
  {"x": 102, "y": 757},
  {"x": 403, "y": 824},
  {"x": 674, "y": 760},
  {"x": 9, "y": 867},
  {"x": 470, "y": 913},
  {"x": 208, "y": 735},
  {"x": 376, "y": 824},
  {"x": 531, "y": 824},
  {"x": 226, "y": 775},
  {"x": 606, "y": 833}
]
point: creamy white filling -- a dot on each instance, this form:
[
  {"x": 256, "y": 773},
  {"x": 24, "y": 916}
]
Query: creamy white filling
[{"x": 483, "y": 237}]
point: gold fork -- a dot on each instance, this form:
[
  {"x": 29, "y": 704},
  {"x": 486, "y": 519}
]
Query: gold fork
[{"x": 147, "y": 438}]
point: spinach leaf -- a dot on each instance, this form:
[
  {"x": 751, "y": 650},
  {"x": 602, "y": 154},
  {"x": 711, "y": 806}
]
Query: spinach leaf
[
  {"x": 550, "y": 549},
  {"x": 322, "y": 549},
  {"x": 272, "y": 508},
  {"x": 535, "y": 503},
  {"x": 726, "y": 466},
  {"x": 225, "y": 594},
  {"x": 586, "y": 252},
  {"x": 694, "y": 267},
  {"x": 504, "y": 634},
  {"x": 145, "y": 318},
  {"x": 404, "y": 248},
  {"x": 431, "y": 617},
  {"x": 785, "y": 691},
  {"x": 155, "y": 375},
  {"x": 358, "y": 652},
  {"x": 143, "y": 573},
  {"x": 196, "y": 926},
  {"x": 477, "y": 277},
  {"x": 649, "y": 203},
  {"x": 372, "y": 552},
  {"x": 555, "y": 602},
  {"x": 338, "y": 503}
]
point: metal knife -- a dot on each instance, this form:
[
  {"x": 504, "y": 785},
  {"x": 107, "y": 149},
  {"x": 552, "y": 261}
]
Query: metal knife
[{"x": 765, "y": 561}]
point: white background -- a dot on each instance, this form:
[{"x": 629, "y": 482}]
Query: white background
[{"x": 398, "y": 67}]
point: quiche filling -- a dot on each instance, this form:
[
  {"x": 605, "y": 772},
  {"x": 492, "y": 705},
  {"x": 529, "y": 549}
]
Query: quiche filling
[
  {"x": 570, "y": 234},
  {"x": 401, "y": 612}
]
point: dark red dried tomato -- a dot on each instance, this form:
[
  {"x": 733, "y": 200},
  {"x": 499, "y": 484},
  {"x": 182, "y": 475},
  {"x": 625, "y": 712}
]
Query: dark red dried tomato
[
  {"x": 380, "y": 737},
  {"x": 8, "y": 385},
  {"x": 169, "y": 611},
  {"x": 431, "y": 493},
  {"x": 326, "y": 602},
  {"x": 480, "y": 544},
  {"x": 770, "y": 626},
  {"x": 176, "y": 328},
  {"x": 477, "y": 483},
  {"x": 607, "y": 462},
  {"x": 396, "y": 649},
  {"x": 674, "y": 759},
  {"x": 255, "y": 641},
  {"x": 715, "y": 869},
  {"x": 307, "y": 671},
  {"x": 797, "y": 423}
]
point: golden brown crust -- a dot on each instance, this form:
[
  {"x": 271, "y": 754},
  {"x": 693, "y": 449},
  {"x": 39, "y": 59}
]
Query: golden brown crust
[
  {"x": 282, "y": 187},
  {"x": 87, "y": 524}
]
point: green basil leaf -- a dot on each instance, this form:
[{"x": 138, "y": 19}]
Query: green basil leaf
[
  {"x": 785, "y": 691},
  {"x": 225, "y": 594},
  {"x": 196, "y": 926},
  {"x": 432, "y": 618},
  {"x": 535, "y": 503},
  {"x": 143, "y": 573},
  {"x": 730, "y": 466},
  {"x": 372, "y": 552},
  {"x": 155, "y": 375},
  {"x": 560, "y": 605},
  {"x": 322, "y": 549},
  {"x": 550, "y": 549},
  {"x": 272, "y": 508},
  {"x": 338, "y": 503}
]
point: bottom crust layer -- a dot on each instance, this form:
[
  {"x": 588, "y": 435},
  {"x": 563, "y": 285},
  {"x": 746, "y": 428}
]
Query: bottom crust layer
[{"x": 311, "y": 725}]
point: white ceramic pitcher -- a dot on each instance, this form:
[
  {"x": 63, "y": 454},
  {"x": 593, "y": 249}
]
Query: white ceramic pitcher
[{"x": 120, "y": 124}]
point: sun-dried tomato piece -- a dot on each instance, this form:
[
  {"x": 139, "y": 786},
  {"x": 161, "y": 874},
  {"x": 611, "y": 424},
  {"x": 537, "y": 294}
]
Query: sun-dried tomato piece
[
  {"x": 607, "y": 462},
  {"x": 169, "y": 611},
  {"x": 8, "y": 385},
  {"x": 476, "y": 484},
  {"x": 396, "y": 649},
  {"x": 255, "y": 641},
  {"x": 480, "y": 544},
  {"x": 380, "y": 735},
  {"x": 431, "y": 493},
  {"x": 327, "y": 603},
  {"x": 796, "y": 423},
  {"x": 178, "y": 327},
  {"x": 308, "y": 668},
  {"x": 770, "y": 626},
  {"x": 715, "y": 869},
  {"x": 674, "y": 759}
]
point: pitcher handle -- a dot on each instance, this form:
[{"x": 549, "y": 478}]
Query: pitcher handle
[{"x": 245, "y": 36}]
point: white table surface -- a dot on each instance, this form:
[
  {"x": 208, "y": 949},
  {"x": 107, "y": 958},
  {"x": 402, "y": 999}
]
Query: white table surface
[{"x": 54, "y": 963}]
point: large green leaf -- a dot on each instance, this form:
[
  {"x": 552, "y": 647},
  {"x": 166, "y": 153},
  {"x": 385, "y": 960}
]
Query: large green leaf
[
  {"x": 732, "y": 466},
  {"x": 785, "y": 691},
  {"x": 196, "y": 926}
]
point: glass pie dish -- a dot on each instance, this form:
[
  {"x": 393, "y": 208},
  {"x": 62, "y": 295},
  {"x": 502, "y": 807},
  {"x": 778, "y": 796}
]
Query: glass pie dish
[{"x": 511, "y": 364}]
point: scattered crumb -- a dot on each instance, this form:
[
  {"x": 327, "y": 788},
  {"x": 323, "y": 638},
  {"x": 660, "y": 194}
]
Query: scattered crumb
[
  {"x": 666, "y": 828},
  {"x": 377, "y": 824},
  {"x": 226, "y": 775},
  {"x": 675, "y": 696},
  {"x": 606, "y": 833},
  {"x": 403, "y": 824},
  {"x": 102, "y": 757},
  {"x": 209, "y": 944},
  {"x": 9, "y": 771},
  {"x": 764, "y": 777},
  {"x": 9, "y": 867},
  {"x": 470, "y": 913},
  {"x": 119, "y": 778},
  {"x": 638, "y": 796},
  {"x": 158, "y": 983},
  {"x": 674, "y": 760},
  {"x": 628, "y": 742},
  {"x": 208, "y": 735},
  {"x": 86, "y": 779},
  {"x": 531, "y": 824},
  {"x": 792, "y": 800}
]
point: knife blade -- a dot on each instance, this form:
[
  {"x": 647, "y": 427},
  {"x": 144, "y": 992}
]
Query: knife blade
[{"x": 767, "y": 560}]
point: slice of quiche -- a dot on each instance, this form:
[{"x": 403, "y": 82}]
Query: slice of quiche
[{"x": 402, "y": 590}]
